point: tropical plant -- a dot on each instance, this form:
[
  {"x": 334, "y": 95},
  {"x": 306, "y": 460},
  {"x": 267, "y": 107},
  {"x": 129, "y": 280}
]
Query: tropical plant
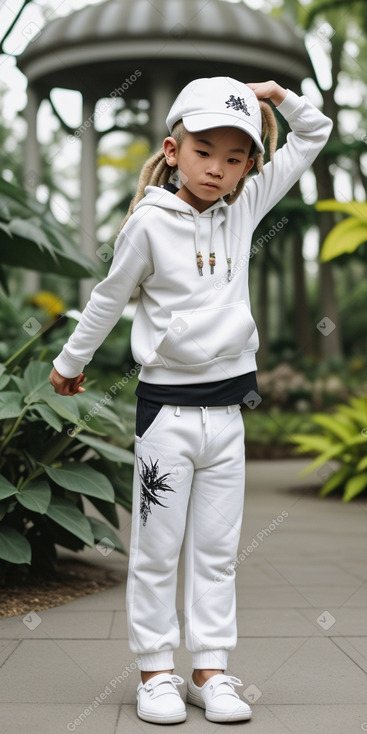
[
  {"x": 30, "y": 237},
  {"x": 55, "y": 451},
  {"x": 348, "y": 234},
  {"x": 344, "y": 439},
  {"x": 273, "y": 427}
]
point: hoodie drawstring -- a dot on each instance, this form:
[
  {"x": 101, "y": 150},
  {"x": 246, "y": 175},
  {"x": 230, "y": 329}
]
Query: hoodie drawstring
[{"x": 212, "y": 261}]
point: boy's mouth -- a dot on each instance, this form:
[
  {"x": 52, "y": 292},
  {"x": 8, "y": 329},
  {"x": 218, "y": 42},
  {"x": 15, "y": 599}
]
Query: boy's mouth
[{"x": 212, "y": 185}]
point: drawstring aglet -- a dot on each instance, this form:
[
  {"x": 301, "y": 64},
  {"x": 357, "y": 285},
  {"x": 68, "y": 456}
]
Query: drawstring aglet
[
  {"x": 200, "y": 262},
  {"x": 212, "y": 262},
  {"x": 229, "y": 268}
]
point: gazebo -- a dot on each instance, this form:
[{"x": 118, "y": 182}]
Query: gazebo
[{"x": 149, "y": 49}]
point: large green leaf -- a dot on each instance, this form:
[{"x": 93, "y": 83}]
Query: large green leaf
[
  {"x": 309, "y": 442},
  {"x": 355, "y": 486},
  {"x": 4, "y": 508},
  {"x": 100, "y": 416},
  {"x": 356, "y": 440},
  {"x": 334, "y": 424},
  {"x": 30, "y": 229},
  {"x": 335, "y": 480},
  {"x": 66, "y": 514},
  {"x": 107, "y": 509},
  {"x": 14, "y": 548},
  {"x": 332, "y": 453},
  {"x": 36, "y": 496},
  {"x": 354, "y": 208},
  {"x": 49, "y": 416},
  {"x": 4, "y": 379},
  {"x": 362, "y": 464},
  {"x": 36, "y": 376},
  {"x": 6, "y": 488},
  {"x": 64, "y": 405},
  {"x": 11, "y": 404},
  {"x": 345, "y": 237},
  {"x": 357, "y": 414},
  {"x": 101, "y": 531},
  {"x": 113, "y": 453},
  {"x": 32, "y": 236},
  {"x": 81, "y": 478}
]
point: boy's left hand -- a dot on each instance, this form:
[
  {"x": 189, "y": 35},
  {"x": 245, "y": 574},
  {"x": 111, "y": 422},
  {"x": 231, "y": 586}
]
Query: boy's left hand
[{"x": 269, "y": 90}]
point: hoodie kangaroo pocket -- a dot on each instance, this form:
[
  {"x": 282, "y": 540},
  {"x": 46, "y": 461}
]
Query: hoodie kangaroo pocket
[{"x": 202, "y": 335}]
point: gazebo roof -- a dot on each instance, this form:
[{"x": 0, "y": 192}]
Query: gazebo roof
[{"x": 96, "y": 47}]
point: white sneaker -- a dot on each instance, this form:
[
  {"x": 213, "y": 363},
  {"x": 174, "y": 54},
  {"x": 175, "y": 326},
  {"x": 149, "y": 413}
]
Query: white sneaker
[
  {"x": 159, "y": 700},
  {"x": 219, "y": 699}
]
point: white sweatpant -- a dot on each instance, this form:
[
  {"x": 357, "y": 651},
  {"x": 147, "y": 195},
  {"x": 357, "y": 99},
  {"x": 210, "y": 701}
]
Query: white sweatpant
[{"x": 189, "y": 484}]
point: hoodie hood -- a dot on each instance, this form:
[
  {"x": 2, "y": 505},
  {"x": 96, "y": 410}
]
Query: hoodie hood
[
  {"x": 165, "y": 199},
  {"x": 159, "y": 196}
]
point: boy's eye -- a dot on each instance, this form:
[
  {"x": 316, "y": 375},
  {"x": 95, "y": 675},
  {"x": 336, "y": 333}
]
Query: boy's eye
[
  {"x": 233, "y": 160},
  {"x": 203, "y": 152}
]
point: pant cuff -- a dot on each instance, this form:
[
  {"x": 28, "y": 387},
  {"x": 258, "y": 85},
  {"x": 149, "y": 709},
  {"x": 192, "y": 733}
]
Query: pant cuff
[
  {"x": 156, "y": 660},
  {"x": 209, "y": 659}
]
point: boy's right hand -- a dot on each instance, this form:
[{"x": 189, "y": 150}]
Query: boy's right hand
[{"x": 66, "y": 385}]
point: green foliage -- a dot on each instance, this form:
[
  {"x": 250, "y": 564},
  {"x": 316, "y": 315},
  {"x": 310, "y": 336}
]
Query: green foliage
[
  {"x": 54, "y": 451},
  {"x": 343, "y": 438},
  {"x": 348, "y": 234},
  {"x": 30, "y": 237},
  {"x": 271, "y": 427}
]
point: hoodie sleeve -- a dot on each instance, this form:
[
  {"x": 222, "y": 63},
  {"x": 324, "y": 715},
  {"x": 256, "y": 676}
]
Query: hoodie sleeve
[
  {"x": 131, "y": 264},
  {"x": 310, "y": 130}
]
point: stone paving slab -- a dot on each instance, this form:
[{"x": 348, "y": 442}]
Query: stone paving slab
[
  {"x": 69, "y": 671},
  {"x": 110, "y": 601},
  {"x": 334, "y": 596},
  {"x": 309, "y": 678},
  {"x": 270, "y": 597},
  {"x": 31, "y": 718},
  {"x": 7, "y": 648},
  {"x": 320, "y": 719},
  {"x": 299, "y": 671},
  {"x": 45, "y": 624},
  {"x": 355, "y": 648},
  {"x": 348, "y": 621}
]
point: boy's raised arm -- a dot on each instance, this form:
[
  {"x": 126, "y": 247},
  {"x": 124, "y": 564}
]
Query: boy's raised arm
[{"x": 309, "y": 132}]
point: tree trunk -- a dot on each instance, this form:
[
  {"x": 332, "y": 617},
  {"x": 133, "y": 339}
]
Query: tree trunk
[
  {"x": 302, "y": 324},
  {"x": 262, "y": 309},
  {"x": 330, "y": 345}
]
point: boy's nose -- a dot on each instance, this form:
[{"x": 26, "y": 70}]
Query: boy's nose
[{"x": 215, "y": 170}]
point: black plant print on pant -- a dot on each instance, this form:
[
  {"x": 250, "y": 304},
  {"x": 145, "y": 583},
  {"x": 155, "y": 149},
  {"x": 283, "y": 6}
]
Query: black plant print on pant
[{"x": 150, "y": 484}]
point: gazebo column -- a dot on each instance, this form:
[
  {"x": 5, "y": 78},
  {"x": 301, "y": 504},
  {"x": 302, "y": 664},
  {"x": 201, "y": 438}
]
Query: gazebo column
[
  {"x": 32, "y": 170},
  {"x": 88, "y": 196},
  {"x": 163, "y": 95}
]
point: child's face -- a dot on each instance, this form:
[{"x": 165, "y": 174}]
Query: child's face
[{"x": 211, "y": 163}]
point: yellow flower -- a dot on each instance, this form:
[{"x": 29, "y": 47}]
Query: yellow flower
[{"x": 53, "y": 305}]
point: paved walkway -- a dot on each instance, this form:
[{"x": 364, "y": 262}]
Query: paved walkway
[{"x": 302, "y": 623}]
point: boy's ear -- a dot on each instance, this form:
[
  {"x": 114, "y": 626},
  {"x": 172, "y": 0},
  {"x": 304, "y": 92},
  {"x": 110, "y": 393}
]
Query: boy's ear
[
  {"x": 250, "y": 163},
  {"x": 170, "y": 148}
]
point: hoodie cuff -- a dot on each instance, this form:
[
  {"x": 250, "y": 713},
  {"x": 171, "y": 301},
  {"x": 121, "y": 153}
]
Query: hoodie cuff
[
  {"x": 290, "y": 103},
  {"x": 67, "y": 367}
]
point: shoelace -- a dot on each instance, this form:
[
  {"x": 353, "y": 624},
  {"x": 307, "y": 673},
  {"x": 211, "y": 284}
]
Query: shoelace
[
  {"x": 170, "y": 681},
  {"x": 230, "y": 681}
]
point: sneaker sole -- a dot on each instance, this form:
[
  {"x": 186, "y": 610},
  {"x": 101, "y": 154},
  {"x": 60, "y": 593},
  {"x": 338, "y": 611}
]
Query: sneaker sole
[
  {"x": 159, "y": 719},
  {"x": 215, "y": 716}
]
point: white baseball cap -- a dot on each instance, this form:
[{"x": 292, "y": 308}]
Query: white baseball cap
[{"x": 215, "y": 102}]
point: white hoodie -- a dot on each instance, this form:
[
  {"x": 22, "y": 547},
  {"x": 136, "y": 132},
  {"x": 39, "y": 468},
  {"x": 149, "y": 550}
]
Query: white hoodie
[{"x": 190, "y": 328}]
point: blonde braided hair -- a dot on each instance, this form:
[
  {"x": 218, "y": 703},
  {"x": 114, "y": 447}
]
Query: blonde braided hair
[{"x": 156, "y": 171}]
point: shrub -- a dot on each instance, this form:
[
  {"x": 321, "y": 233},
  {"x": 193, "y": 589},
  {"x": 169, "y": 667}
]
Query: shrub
[
  {"x": 54, "y": 451},
  {"x": 343, "y": 438}
]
